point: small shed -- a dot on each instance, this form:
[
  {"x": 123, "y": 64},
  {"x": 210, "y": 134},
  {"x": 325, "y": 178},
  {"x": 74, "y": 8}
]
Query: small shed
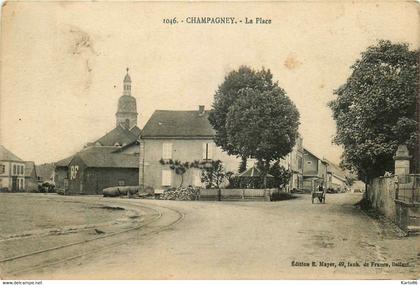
[{"x": 99, "y": 167}]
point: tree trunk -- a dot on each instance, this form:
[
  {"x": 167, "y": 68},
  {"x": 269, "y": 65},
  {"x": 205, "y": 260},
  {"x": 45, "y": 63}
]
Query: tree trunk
[{"x": 182, "y": 181}]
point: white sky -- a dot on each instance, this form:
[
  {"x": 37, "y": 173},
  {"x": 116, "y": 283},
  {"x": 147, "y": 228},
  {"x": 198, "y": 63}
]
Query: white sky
[{"x": 63, "y": 63}]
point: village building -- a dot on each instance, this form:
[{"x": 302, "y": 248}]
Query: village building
[
  {"x": 294, "y": 163},
  {"x": 98, "y": 167},
  {"x": 314, "y": 171},
  {"x": 109, "y": 160},
  {"x": 186, "y": 136},
  {"x": 336, "y": 177},
  {"x": 12, "y": 171}
]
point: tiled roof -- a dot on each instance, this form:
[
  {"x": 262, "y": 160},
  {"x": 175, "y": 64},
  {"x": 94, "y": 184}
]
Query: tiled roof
[
  {"x": 6, "y": 154},
  {"x": 184, "y": 124},
  {"x": 64, "y": 162},
  {"x": 118, "y": 135},
  {"x": 135, "y": 131},
  {"x": 103, "y": 156},
  {"x": 45, "y": 171},
  {"x": 29, "y": 168}
]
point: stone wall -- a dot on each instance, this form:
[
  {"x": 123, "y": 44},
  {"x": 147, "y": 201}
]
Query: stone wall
[{"x": 381, "y": 194}]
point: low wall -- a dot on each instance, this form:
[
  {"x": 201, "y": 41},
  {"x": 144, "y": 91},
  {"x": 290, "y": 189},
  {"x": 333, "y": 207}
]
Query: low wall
[
  {"x": 252, "y": 194},
  {"x": 382, "y": 196}
]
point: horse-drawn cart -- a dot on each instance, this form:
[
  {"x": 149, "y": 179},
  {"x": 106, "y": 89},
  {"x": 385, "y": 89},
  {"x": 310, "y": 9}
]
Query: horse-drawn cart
[{"x": 320, "y": 194}]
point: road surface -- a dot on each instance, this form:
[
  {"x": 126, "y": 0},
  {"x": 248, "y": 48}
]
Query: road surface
[{"x": 152, "y": 239}]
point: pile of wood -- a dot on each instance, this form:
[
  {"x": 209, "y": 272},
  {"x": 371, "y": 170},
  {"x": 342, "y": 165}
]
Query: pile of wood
[{"x": 182, "y": 194}]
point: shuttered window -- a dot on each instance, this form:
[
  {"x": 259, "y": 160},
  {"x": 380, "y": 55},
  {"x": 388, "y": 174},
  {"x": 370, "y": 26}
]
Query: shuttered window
[
  {"x": 207, "y": 150},
  {"x": 197, "y": 177},
  {"x": 167, "y": 151},
  {"x": 166, "y": 177}
]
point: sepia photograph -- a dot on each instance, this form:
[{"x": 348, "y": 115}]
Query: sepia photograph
[{"x": 209, "y": 140}]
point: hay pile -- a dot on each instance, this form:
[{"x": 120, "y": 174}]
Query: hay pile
[{"x": 182, "y": 194}]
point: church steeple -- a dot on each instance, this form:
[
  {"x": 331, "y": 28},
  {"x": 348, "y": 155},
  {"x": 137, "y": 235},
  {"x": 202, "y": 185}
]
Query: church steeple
[
  {"x": 127, "y": 84},
  {"x": 126, "y": 115}
]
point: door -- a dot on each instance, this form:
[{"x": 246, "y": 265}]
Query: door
[{"x": 14, "y": 184}]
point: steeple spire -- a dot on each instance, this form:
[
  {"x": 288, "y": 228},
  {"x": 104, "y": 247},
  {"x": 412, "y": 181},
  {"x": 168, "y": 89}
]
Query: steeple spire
[
  {"x": 127, "y": 84},
  {"x": 127, "y": 107}
]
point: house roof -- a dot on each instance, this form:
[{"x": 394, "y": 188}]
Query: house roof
[
  {"x": 6, "y": 154},
  {"x": 336, "y": 170},
  {"x": 29, "y": 168},
  {"x": 252, "y": 172},
  {"x": 104, "y": 157},
  {"x": 184, "y": 124},
  {"x": 45, "y": 171},
  {"x": 64, "y": 162},
  {"x": 118, "y": 135},
  {"x": 135, "y": 131}
]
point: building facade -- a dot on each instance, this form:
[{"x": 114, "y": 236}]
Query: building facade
[
  {"x": 12, "y": 171},
  {"x": 96, "y": 168},
  {"x": 314, "y": 171},
  {"x": 186, "y": 136}
]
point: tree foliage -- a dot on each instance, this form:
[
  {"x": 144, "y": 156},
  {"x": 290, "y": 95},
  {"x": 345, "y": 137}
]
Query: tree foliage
[
  {"x": 253, "y": 117},
  {"x": 281, "y": 175},
  {"x": 213, "y": 174},
  {"x": 375, "y": 109}
]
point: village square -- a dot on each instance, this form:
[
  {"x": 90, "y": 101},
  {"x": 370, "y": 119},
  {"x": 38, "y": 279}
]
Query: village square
[{"x": 231, "y": 170}]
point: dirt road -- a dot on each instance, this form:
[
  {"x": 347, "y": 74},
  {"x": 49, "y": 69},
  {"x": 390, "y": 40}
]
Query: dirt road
[{"x": 236, "y": 240}]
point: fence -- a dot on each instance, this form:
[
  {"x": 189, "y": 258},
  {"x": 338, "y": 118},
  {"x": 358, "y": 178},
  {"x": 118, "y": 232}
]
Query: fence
[
  {"x": 408, "y": 189},
  {"x": 234, "y": 194}
]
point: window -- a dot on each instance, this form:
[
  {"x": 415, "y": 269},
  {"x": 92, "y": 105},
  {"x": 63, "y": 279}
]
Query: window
[
  {"x": 299, "y": 163},
  {"x": 309, "y": 162},
  {"x": 2, "y": 168},
  {"x": 167, "y": 151},
  {"x": 121, "y": 182},
  {"x": 166, "y": 177},
  {"x": 21, "y": 170},
  {"x": 207, "y": 151},
  {"x": 14, "y": 169}
]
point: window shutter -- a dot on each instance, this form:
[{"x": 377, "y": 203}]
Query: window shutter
[
  {"x": 167, "y": 151},
  {"x": 204, "y": 150},
  {"x": 210, "y": 151},
  {"x": 197, "y": 178}
]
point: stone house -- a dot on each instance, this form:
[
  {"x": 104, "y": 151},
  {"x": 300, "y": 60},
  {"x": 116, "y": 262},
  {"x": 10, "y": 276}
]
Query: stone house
[
  {"x": 31, "y": 177},
  {"x": 314, "y": 170},
  {"x": 12, "y": 171},
  {"x": 294, "y": 162},
  {"x": 186, "y": 136}
]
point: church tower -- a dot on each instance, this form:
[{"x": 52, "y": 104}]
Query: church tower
[{"x": 127, "y": 107}]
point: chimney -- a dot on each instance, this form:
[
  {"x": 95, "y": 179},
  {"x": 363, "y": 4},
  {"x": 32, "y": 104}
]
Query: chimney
[{"x": 200, "y": 110}]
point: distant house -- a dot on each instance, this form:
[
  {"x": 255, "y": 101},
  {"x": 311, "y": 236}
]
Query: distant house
[
  {"x": 31, "y": 178},
  {"x": 336, "y": 177},
  {"x": 12, "y": 171},
  {"x": 95, "y": 168},
  {"x": 314, "y": 170},
  {"x": 45, "y": 172},
  {"x": 294, "y": 162},
  {"x": 186, "y": 136}
]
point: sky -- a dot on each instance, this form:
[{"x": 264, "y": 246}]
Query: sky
[{"x": 62, "y": 63}]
